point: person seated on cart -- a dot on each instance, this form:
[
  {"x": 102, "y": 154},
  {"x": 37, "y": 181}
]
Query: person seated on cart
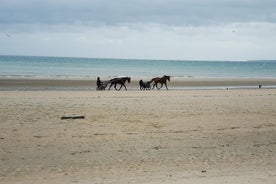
[
  {"x": 99, "y": 82},
  {"x": 101, "y": 85}
]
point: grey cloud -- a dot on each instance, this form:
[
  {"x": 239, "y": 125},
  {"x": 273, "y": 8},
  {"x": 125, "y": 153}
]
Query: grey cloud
[
  {"x": 172, "y": 12},
  {"x": 176, "y": 29}
]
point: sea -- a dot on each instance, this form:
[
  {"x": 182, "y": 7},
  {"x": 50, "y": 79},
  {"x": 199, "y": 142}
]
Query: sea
[{"x": 76, "y": 67}]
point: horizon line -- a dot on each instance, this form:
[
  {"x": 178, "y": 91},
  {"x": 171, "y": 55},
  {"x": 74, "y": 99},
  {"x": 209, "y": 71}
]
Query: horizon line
[{"x": 147, "y": 59}]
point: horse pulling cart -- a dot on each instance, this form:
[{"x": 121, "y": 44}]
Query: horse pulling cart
[
  {"x": 101, "y": 85},
  {"x": 157, "y": 80}
]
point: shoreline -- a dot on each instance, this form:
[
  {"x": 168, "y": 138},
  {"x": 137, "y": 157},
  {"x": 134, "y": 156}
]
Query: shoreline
[{"x": 176, "y": 83}]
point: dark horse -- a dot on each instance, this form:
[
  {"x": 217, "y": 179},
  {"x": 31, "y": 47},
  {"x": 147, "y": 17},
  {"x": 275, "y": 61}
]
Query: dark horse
[
  {"x": 121, "y": 81},
  {"x": 144, "y": 85},
  {"x": 162, "y": 80}
]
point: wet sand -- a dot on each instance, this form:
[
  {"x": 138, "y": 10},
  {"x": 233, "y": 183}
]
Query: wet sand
[
  {"x": 90, "y": 83},
  {"x": 176, "y": 136}
]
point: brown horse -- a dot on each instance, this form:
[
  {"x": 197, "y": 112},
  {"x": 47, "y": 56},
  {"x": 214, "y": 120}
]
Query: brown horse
[
  {"x": 121, "y": 80},
  {"x": 162, "y": 80}
]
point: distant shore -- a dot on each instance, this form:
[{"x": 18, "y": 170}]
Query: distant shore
[{"x": 175, "y": 83}]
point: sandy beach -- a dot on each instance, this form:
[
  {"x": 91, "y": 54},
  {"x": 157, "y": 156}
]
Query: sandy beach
[{"x": 176, "y": 136}]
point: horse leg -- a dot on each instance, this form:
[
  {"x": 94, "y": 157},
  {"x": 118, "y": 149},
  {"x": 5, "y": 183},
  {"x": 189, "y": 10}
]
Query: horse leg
[
  {"x": 116, "y": 87},
  {"x": 110, "y": 86},
  {"x": 166, "y": 86},
  {"x": 154, "y": 85},
  {"x": 121, "y": 86},
  {"x": 124, "y": 86},
  {"x": 160, "y": 86}
]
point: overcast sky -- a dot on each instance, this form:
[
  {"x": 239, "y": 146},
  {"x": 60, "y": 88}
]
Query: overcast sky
[{"x": 141, "y": 29}]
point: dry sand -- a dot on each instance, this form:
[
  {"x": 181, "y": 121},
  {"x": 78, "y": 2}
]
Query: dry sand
[{"x": 179, "y": 136}]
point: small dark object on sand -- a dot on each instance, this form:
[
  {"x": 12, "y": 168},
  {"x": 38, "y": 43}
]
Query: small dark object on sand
[
  {"x": 260, "y": 86},
  {"x": 73, "y": 117}
]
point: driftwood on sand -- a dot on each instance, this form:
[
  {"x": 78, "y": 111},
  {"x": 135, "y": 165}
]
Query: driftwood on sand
[{"x": 73, "y": 117}]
